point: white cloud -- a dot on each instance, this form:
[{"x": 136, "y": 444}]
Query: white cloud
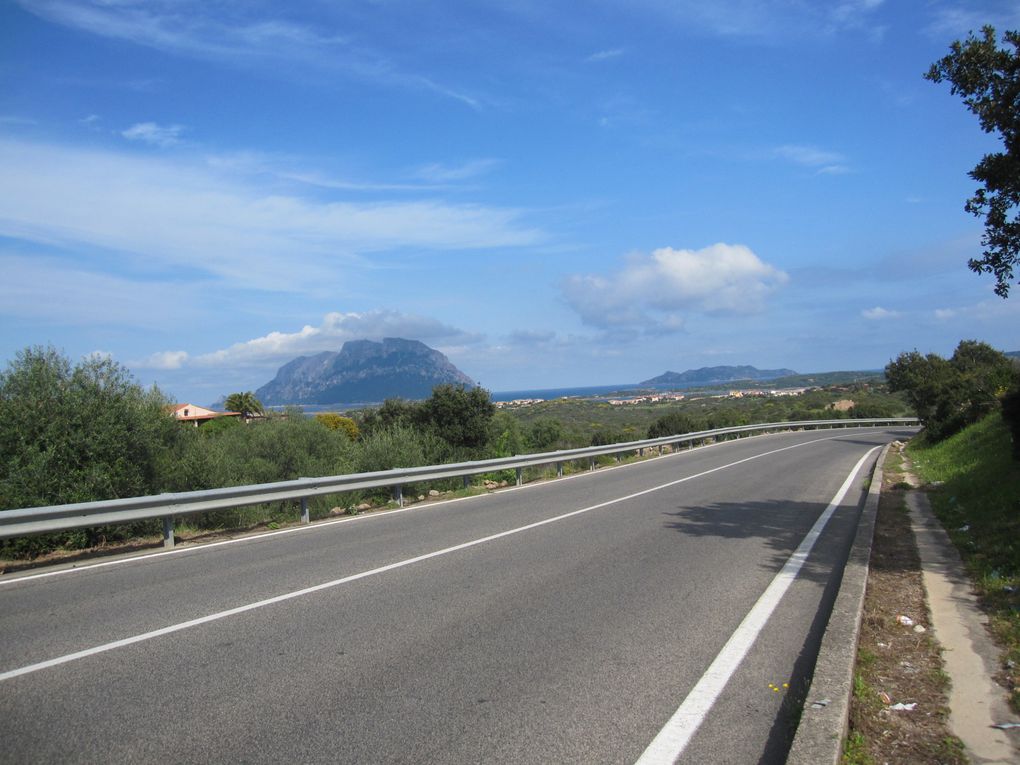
[
  {"x": 163, "y": 360},
  {"x": 605, "y": 55},
  {"x": 823, "y": 161},
  {"x": 770, "y": 19},
  {"x": 652, "y": 293},
  {"x": 184, "y": 214},
  {"x": 438, "y": 173},
  {"x": 239, "y": 34},
  {"x": 878, "y": 313},
  {"x": 162, "y": 136},
  {"x": 336, "y": 329},
  {"x": 954, "y": 20}
]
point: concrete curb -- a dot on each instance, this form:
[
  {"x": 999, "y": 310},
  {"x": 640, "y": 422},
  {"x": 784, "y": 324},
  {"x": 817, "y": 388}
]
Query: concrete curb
[
  {"x": 976, "y": 703},
  {"x": 823, "y": 723}
]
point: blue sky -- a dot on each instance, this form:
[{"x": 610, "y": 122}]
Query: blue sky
[{"x": 553, "y": 194}]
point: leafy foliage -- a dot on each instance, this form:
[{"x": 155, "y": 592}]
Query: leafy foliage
[
  {"x": 988, "y": 78},
  {"x": 674, "y": 424},
  {"x": 246, "y": 403},
  {"x": 458, "y": 415},
  {"x": 948, "y": 395},
  {"x": 77, "y": 434},
  {"x": 334, "y": 421}
]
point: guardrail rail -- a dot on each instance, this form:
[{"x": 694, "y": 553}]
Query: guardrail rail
[{"x": 39, "y": 520}]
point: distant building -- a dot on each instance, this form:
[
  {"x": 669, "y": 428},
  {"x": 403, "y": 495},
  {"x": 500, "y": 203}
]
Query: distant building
[{"x": 197, "y": 414}]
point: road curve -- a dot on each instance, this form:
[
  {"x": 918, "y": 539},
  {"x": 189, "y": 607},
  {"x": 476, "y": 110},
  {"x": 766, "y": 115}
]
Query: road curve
[{"x": 561, "y": 622}]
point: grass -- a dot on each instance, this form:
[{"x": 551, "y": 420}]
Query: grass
[
  {"x": 855, "y": 750},
  {"x": 975, "y": 491}
]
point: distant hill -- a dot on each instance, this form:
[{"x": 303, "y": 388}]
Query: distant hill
[
  {"x": 362, "y": 371},
  {"x": 711, "y": 375}
]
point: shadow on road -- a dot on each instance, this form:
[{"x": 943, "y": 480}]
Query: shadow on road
[{"x": 782, "y": 526}]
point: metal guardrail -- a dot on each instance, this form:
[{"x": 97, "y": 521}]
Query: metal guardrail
[{"x": 39, "y": 520}]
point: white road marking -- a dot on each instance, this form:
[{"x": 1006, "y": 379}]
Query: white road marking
[
  {"x": 318, "y": 525},
  {"x": 671, "y": 741},
  {"x": 66, "y": 658}
]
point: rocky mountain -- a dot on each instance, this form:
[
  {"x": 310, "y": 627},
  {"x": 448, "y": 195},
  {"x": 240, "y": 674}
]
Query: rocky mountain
[
  {"x": 362, "y": 371},
  {"x": 712, "y": 375}
]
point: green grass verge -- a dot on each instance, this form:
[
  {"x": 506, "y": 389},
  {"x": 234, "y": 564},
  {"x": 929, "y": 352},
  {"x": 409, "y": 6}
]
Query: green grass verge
[{"x": 976, "y": 494}]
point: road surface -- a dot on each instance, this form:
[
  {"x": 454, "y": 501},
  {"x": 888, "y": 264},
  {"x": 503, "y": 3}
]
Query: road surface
[{"x": 568, "y": 621}]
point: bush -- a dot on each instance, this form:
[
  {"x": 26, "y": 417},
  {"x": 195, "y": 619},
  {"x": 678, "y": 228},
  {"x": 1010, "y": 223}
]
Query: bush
[
  {"x": 78, "y": 434},
  {"x": 948, "y": 395},
  {"x": 334, "y": 421},
  {"x": 674, "y": 424},
  {"x": 458, "y": 415}
]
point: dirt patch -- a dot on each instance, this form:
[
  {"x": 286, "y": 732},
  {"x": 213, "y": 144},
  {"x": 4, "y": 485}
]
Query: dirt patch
[{"x": 898, "y": 713}]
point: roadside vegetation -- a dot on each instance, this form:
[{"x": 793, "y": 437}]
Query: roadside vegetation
[
  {"x": 898, "y": 663},
  {"x": 87, "y": 431},
  {"x": 975, "y": 492},
  {"x": 967, "y": 459}
]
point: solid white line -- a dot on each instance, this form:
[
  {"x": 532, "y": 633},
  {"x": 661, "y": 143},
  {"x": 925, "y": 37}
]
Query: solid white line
[
  {"x": 372, "y": 572},
  {"x": 671, "y": 741}
]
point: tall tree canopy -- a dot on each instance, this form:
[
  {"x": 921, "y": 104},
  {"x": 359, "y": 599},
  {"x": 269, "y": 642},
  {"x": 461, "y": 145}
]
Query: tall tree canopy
[{"x": 988, "y": 78}]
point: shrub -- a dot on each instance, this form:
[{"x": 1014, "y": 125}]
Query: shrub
[
  {"x": 78, "y": 434},
  {"x": 334, "y": 421}
]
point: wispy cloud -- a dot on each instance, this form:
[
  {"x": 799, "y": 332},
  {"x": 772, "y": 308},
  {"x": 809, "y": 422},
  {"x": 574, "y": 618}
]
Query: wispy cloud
[
  {"x": 235, "y": 34},
  {"x": 822, "y": 161},
  {"x": 956, "y": 19},
  {"x": 162, "y": 136},
  {"x": 654, "y": 293},
  {"x": 184, "y": 214},
  {"x": 11, "y": 119},
  {"x": 771, "y": 19},
  {"x": 605, "y": 55},
  {"x": 59, "y": 291},
  {"x": 439, "y": 173},
  {"x": 879, "y": 314}
]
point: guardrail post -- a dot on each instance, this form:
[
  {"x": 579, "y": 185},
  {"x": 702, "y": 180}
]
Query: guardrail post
[
  {"x": 467, "y": 481},
  {"x": 520, "y": 477},
  {"x": 168, "y": 531},
  {"x": 304, "y": 511},
  {"x": 591, "y": 464},
  {"x": 398, "y": 495},
  {"x": 559, "y": 469}
]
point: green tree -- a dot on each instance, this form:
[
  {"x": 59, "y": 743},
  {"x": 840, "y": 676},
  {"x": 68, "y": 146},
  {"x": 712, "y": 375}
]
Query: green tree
[
  {"x": 948, "y": 395},
  {"x": 77, "y": 434},
  {"x": 395, "y": 412},
  {"x": 544, "y": 434},
  {"x": 506, "y": 436},
  {"x": 988, "y": 78},
  {"x": 246, "y": 403},
  {"x": 458, "y": 415}
]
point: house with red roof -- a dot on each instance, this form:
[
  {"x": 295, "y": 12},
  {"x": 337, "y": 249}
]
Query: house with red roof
[{"x": 197, "y": 414}]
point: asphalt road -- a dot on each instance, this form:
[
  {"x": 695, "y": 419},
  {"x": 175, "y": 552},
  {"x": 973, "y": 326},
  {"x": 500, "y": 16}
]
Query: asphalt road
[{"x": 561, "y": 622}]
